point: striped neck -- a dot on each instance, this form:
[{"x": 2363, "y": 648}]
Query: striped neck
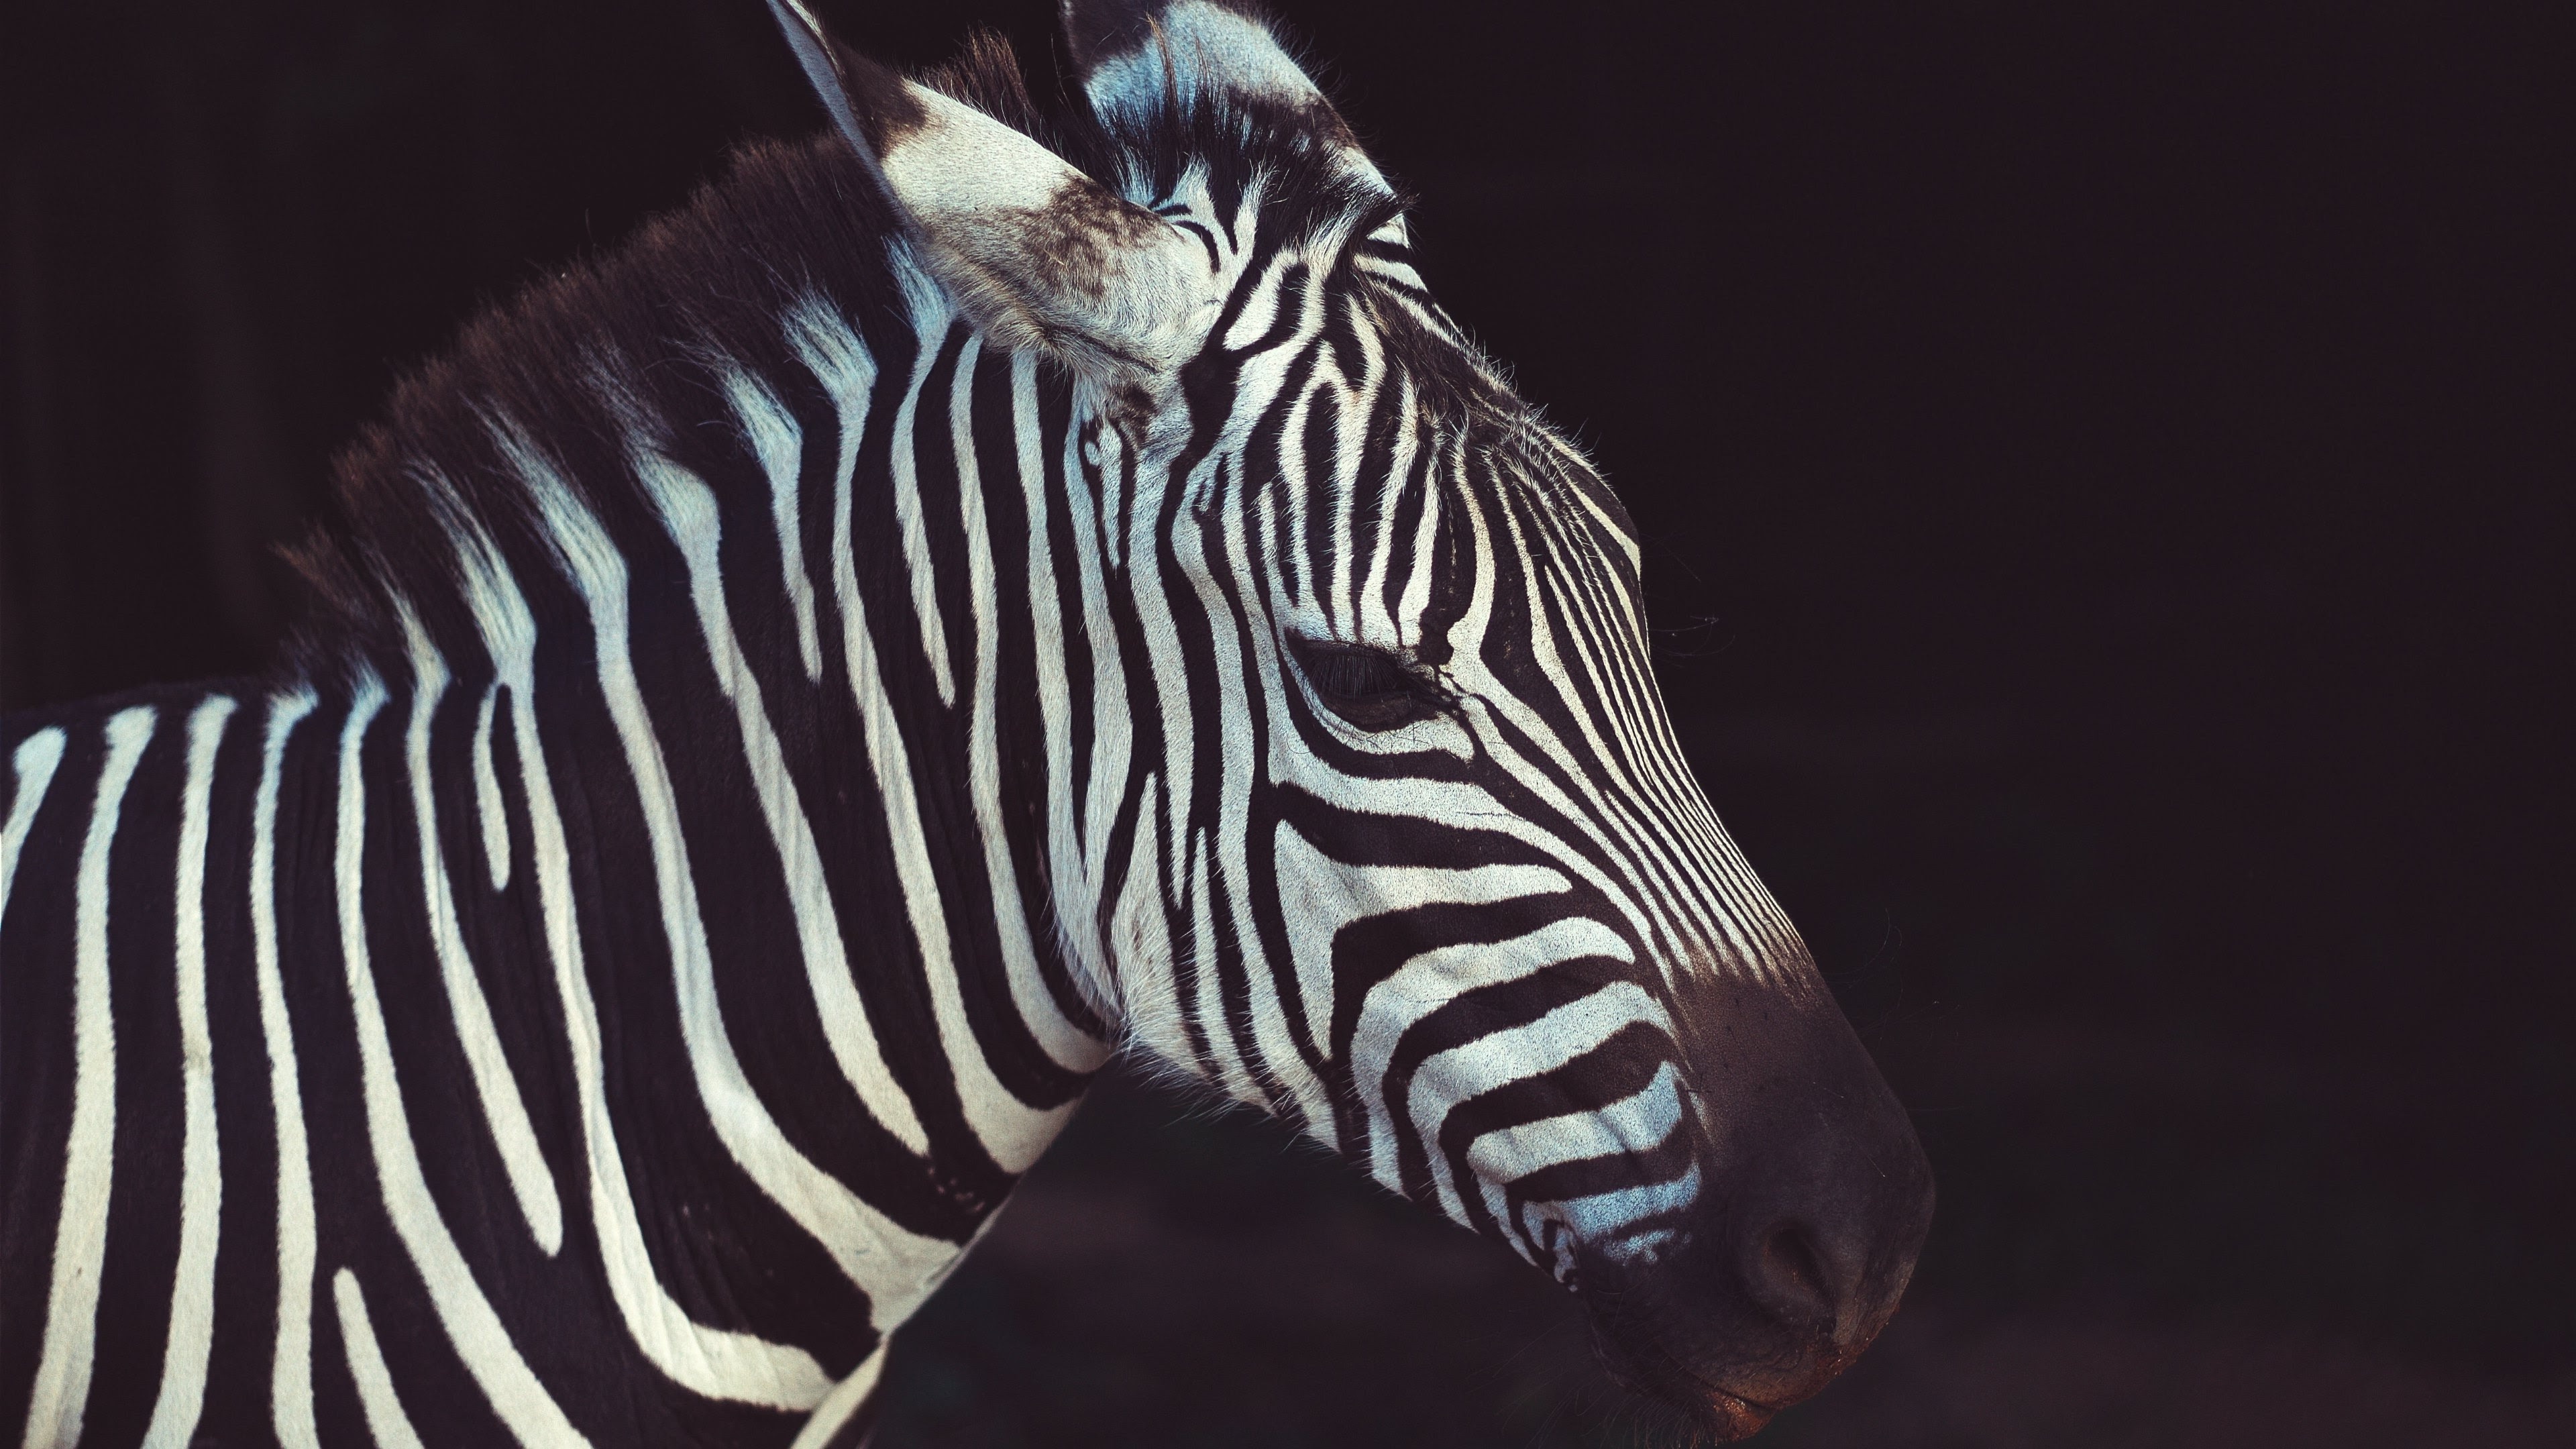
[{"x": 737, "y": 755}]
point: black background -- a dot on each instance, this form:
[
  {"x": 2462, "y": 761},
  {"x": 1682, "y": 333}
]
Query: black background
[{"x": 2107, "y": 467}]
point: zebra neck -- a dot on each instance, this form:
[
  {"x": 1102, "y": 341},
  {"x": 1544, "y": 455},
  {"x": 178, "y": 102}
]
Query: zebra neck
[
  {"x": 765, "y": 691},
  {"x": 668, "y": 901},
  {"x": 744, "y": 818},
  {"x": 829, "y": 697}
]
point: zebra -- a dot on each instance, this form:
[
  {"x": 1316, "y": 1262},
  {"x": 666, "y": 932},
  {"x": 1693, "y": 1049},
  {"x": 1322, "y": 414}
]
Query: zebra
[{"x": 780, "y": 706}]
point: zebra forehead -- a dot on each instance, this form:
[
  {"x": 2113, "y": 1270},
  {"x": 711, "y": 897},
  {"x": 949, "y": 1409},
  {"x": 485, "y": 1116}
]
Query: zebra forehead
[
  {"x": 1540, "y": 481},
  {"x": 1554, "y": 470}
]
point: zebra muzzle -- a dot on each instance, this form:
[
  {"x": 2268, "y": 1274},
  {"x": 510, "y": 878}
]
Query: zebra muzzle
[{"x": 1817, "y": 1203}]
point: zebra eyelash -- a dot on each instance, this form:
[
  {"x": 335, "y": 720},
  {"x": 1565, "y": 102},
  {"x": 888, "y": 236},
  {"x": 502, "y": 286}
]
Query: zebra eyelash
[{"x": 1371, "y": 689}]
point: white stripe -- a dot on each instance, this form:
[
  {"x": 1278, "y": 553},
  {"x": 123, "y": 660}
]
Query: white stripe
[
  {"x": 61, "y": 1389},
  {"x": 845, "y": 1400},
  {"x": 779, "y": 444},
  {"x": 1054, "y": 685},
  {"x": 1349, "y": 400},
  {"x": 487, "y": 793},
  {"x": 387, "y": 1424},
  {"x": 1167, "y": 863},
  {"x": 1231, "y": 1075},
  {"x": 1139, "y": 934},
  {"x": 1201, "y": 867},
  {"x": 201, "y": 1185},
  {"x": 1261, "y": 309},
  {"x": 1374, "y": 621},
  {"x": 930, "y": 318},
  {"x": 704, "y": 1360},
  {"x": 290, "y": 1385},
  {"x": 1080, "y": 854},
  {"x": 496, "y": 1088},
  {"x": 1415, "y": 601},
  {"x": 689, "y": 508},
  {"x": 481, "y": 1340},
  {"x": 1604, "y": 1222},
  {"x": 34, "y": 762}
]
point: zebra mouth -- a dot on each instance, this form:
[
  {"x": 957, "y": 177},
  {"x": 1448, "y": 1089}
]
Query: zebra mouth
[
  {"x": 1722, "y": 1414},
  {"x": 1738, "y": 1417}
]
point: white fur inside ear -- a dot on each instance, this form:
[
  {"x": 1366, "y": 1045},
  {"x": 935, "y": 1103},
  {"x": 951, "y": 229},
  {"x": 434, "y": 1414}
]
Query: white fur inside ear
[
  {"x": 1044, "y": 257},
  {"x": 962, "y": 163}
]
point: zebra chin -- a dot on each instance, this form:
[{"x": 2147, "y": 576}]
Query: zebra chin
[{"x": 1744, "y": 1284}]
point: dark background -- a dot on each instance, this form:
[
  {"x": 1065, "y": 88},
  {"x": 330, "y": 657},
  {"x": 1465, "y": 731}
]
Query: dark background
[{"x": 2108, "y": 468}]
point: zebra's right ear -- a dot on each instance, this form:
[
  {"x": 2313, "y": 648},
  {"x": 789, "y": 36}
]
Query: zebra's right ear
[
  {"x": 1040, "y": 255},
  {"x": 1144, "y": 63}
]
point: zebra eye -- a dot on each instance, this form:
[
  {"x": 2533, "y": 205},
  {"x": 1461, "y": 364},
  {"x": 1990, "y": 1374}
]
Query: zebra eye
[{"x": 1368, "y": 687}]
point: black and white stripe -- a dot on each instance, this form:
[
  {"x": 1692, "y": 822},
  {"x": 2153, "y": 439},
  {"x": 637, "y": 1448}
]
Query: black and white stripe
[{"x": 777, "y": 716}]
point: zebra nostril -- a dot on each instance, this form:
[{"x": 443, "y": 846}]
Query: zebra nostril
[{"x": 1791, "y": 1274}]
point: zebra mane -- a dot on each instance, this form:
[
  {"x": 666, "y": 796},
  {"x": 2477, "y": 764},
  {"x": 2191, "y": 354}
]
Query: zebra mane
[
  {"x": 698, "y": 288},
  {"x": 643, "y": 338}
]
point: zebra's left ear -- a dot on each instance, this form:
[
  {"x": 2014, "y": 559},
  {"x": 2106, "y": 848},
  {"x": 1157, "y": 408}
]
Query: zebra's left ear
[{"x": 1040, "y": 255}]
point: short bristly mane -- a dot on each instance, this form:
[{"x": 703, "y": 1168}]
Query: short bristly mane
[
  {"x": 709, "y": 287},
  {"x": 786, "y": 223}
]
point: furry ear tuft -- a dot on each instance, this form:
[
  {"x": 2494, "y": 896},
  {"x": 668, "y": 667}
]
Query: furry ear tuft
[
  {"x": 1096, "y": 30},
  {"x": 987, "y": 76},
  {"x": 1040, "y": 255}
]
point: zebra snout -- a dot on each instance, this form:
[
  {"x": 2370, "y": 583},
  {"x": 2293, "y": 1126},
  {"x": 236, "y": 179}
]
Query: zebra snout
[{"x": 1818, "y": 1200}]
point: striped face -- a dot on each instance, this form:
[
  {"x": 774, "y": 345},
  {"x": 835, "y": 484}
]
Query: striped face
[
  {"x": 1436, "y": 883},
  {"x": 1398, "y": 844},
  {"x": 1417, "y": 865}
]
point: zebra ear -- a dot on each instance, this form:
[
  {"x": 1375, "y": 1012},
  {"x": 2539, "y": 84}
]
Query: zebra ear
[
  {"x": 1040, "y": 255},
  {"x": 1143, "y": 60}
]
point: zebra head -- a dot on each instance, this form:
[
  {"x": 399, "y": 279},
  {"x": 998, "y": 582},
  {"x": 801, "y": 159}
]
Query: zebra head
[{"x": 1383, "y": 827}]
